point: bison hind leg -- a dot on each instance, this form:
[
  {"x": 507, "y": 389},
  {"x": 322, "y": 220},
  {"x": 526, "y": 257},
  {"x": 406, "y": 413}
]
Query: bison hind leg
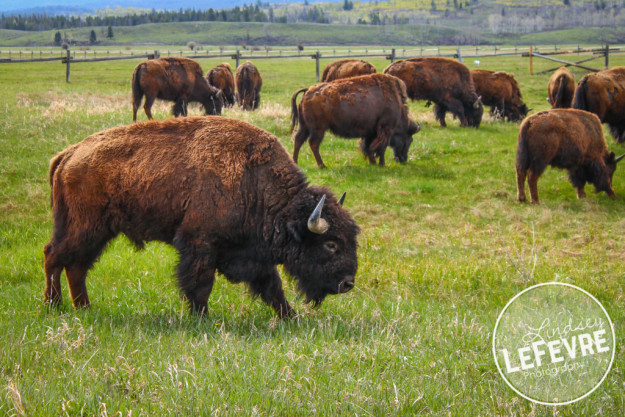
[
  {"x": 618, "y": 132},
  {"x": 439, "y": 113}
]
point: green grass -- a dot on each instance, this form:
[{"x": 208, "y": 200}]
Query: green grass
[{"x": 444, "y": 246}]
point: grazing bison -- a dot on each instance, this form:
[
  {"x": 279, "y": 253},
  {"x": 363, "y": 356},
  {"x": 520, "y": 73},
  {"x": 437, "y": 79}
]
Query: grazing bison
[
  {"x": 180, "y": 80},
  {"x": 248, "y": 83},
  {"x": 371, "y": 107},
  {"x": 445, "y": 82},
  {"x": 564, "y": 138},
  {"x": 221, "y": 77},
  {"x": 346, "y": 68},
  {"x": 561, "y": 89},
  {"x": 603, "y": 93},
  {"x": 224, "y": 193},
  {"x": 501, "y": 92}
]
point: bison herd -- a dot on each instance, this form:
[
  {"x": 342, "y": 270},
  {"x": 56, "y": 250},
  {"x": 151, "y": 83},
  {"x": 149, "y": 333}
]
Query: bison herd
[{"x": 231, "y": 200}]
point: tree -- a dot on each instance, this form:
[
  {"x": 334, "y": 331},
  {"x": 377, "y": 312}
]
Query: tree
[
  {"x": 566, "y": 2},
  {"x": 109, "y": 33},
  {"x": 92, "y": 37},
  {"x": 433, "y": 6},
  {"x": 348, "y": 5},
  {"x": 58, "y": 38}
]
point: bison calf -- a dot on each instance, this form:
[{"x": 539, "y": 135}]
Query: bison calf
[
  {"x": 371, "y": 107},
  {"x": 224, "y": 193},
  {"x": 180, "y": 80},
  {"x": 564, "y": 138}
]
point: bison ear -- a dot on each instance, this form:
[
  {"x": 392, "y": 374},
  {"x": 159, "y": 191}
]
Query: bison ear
[{"x": 294, "y": 231}]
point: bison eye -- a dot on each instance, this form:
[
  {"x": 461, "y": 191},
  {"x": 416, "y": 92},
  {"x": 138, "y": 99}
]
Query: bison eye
[{"x": 331, "y": 246}]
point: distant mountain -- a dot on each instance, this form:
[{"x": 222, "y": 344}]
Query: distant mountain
[{"x": 88, "y": 6}]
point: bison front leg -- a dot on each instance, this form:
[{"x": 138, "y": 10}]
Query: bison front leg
[
  {"x": 268, "y": 285},
  {"x": 196, "y": 273},
  {"x": 439, "y": 113}
]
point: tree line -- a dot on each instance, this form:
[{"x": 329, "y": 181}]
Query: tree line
[{"x": 34, "y": 22}]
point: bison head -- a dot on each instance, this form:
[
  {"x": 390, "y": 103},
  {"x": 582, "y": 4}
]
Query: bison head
[
  {"x": 213, "y": 101},
  {"x": 319, "y": 244},
  {"x": 402, "y": 139},
  {"x": 474, "y": 112},
  {"x": 516, "y": 113},
  {"x": 600, "y": 174}
]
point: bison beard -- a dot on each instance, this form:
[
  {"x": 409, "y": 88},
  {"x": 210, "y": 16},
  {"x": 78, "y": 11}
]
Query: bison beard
[{"x": 224, "y": 193}]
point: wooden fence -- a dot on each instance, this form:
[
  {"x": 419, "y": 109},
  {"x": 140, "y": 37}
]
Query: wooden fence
[{"x": 69, "y": 57}]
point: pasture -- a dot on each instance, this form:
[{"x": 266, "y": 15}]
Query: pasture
[{"x": 444, "y": 246}]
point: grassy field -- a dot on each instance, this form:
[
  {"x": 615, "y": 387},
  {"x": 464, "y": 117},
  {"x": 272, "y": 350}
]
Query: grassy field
[{"x": 444, "y": 246}]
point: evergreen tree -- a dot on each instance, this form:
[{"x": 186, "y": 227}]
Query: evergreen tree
[
  {"x": 92, "y": 37},
  {"x": 58, "y": 38},
  {"x": 109, "y": 33}
]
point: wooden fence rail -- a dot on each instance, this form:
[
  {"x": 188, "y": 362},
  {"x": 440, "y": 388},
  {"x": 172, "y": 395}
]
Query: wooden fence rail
[{"x": 71, "y": 57}]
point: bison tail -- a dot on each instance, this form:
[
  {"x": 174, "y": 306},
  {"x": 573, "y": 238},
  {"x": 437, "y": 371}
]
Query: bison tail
[
  {"x": 561, "y": 91},
  {"x": 137, "y": 91},
  {"x": 522, "y": 153},
  {"x": 579, "y": 100},
  {"x": 294, "y": 112}
]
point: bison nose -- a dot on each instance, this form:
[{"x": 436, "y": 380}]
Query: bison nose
[{"x": 347, "y": 284}]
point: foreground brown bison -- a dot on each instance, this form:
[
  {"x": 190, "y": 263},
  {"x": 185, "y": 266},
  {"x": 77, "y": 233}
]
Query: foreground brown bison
[
  {"x": 561, "y": 89},
  {"x": 371, "y": 107},
  {"x": 564, "y": 138},
  {"x": 501, "y": 92},
  {"x": 603, "y": 93},
  {"x": 248, "y": 83},
  {"x": 180, "y": 80},
  {"x": 346, "y": 68},
  {"x": 221, "y": 77},
  {"x": 224, "y": 193},
  {"x": 445, "y": 82}
]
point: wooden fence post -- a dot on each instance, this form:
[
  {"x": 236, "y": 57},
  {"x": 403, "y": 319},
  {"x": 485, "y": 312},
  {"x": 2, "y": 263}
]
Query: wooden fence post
[
  {"x": 392, "y": 55},
  {"x": 316, "y": 57},
  {"x": 607, "y": 56},
  {"x": 68, "y": 57},
  {"x": 531, "y": 60}
]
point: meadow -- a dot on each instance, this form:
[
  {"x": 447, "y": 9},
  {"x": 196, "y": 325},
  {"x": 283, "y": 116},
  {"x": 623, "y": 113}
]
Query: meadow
[{"x": 444, "y": 246}]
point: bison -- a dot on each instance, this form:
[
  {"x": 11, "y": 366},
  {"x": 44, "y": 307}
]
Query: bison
[
  {"x": 603, "y": 93},
  {"x": 564, "y": 138},
  {"x": 248, "y": 83},
  {"x": 221, "y": 77},
  {"x": 180, "y": 80},
  {"x": 371, "y": 107},
  {"x": 445, "y": 82},
  {"x": 346, "y": 68},
  {"x": 224, "y": 193},
  {"x": 501, "y": 92},
  {"x": 561, "y": 89}
]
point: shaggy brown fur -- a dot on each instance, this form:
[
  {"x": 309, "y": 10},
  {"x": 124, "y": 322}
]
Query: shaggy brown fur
[
  {"x": 346, "y": 68},
  {"x": 224, "y": 193},
  {"x": 221, "y": 77},
  {"x": 180, "y": 80},
  {"x": 501, "y": 92},
  {"x": 561, "y": 88},
  {"x": 445, "y": 82},
  {"x": 603, "y": 93},
  {"x": 248, "y": 83},
  {"x": 564, "y": 138},
  {"x": 372, "y": 107}
]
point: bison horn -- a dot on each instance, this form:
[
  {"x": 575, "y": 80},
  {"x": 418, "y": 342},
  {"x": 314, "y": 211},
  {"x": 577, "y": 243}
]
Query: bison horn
[
  {"x": 478, "y": 102},
  {"x": 619, "y": 158},
  {"x": 342, "y": 199},
  {"x": 315, "y": 223}
]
